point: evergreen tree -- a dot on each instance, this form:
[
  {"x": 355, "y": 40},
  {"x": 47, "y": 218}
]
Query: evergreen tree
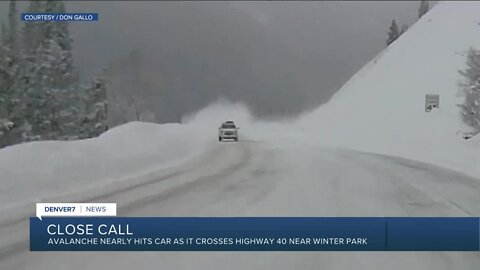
[
  {"x": 66, "y": 77},
  {"x": 52, "y": 104},
  {"x": 11, "y": 116},
  {"x": 33, "y": 32},
  {"x": 59, "y": 34},
  {"x": 393, "y": 33},
  {"x": 5, "y": 123},
  {"x": 40, "y": 96},
  {"x": 470, "y": 87},
  {"x": 423, "y": 9},
  {"x": 52, "y": 98}
]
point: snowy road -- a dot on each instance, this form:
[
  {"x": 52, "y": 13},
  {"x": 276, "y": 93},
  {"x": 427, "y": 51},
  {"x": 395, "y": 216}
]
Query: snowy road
[{"x": 280, "y": 178}]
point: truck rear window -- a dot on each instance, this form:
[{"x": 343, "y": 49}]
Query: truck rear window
[{"x": 228, "y": 126}]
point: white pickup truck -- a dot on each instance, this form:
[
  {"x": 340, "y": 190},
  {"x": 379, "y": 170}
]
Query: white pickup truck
[{"x": 228, "y": 130}]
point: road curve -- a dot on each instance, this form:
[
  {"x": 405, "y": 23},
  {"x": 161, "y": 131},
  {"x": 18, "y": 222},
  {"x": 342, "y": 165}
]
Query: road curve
[{"x": 259, "y": 178}]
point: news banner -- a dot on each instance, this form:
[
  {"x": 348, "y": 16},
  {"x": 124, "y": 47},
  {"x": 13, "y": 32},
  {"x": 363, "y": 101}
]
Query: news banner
[{"x": 96, "y": 227}]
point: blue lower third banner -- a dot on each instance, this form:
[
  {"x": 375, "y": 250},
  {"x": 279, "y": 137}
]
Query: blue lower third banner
[{"x": 254, "y": 234}]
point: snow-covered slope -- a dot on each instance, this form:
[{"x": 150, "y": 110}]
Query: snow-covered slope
[{"x": 381, "y": 109}]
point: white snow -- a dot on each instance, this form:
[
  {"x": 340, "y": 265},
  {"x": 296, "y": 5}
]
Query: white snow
[
  {"x": 33, "y": 172},
  {"x": 289, "y": 168},
  {"x": 381, "y": 109}
]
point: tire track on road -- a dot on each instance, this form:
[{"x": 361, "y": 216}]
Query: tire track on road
[
  {"x": 16, "y": 248},
  {"x": 191, "y": 186}
]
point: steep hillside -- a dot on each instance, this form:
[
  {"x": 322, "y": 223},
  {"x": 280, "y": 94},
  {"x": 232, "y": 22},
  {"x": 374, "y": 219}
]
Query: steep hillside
[{"x": 382, "y": 108}]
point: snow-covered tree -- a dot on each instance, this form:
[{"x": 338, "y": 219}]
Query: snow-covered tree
[
  {"x": 4, "y": 97},
  {"x": 40, "y": 95},
  {"x": 11, "y": 116},
  {"x": 423, "y": 9},
  {"x": 52, "y": 103},
  {"x": 59, "y": 33},
  {"x": 39, "y": 89},
  {"x": 393, "y": 32},
  {"x": 38, "y": 99},
  {"x": 470, "y": 87},
  {"x": 95, "y": 119},
  {"x": 33, "y": 32},
  {"x": 51, "y": 83}
]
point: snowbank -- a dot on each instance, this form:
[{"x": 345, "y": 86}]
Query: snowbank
[
  {"x": 39, "y": 171},
  {"x": 33, "y": 171},
  {"x": 381, "y": 109}
]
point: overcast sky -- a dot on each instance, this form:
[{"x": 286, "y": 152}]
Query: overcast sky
[
  {"x": 351, "y": 31},
  {"x": 312, "y": 47}
]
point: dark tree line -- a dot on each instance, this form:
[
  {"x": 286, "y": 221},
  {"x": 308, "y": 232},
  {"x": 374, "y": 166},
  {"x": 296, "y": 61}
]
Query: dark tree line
[{"x": 40, "y": 94}]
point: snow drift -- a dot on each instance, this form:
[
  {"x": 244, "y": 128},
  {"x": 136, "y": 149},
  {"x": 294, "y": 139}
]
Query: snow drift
[
  {"x": 41, "y": 169},
  {"x": 381, "y": 109}
]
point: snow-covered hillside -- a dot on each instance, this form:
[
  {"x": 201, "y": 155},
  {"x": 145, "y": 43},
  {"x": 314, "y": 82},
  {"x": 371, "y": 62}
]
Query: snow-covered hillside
[{"x": 382, "y": 108}]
